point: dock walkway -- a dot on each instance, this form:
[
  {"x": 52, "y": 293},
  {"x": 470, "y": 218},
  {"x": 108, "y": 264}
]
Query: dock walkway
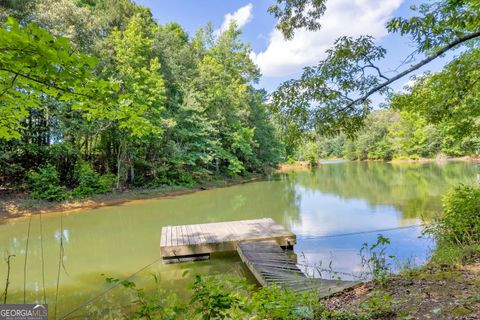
[{"x": 259, "y": 244}]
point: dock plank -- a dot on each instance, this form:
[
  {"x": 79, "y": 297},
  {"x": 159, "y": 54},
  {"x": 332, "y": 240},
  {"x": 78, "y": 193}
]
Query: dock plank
[
  {"x": 259, "y": 244},
  {"x": 207, "y": 238},
  {"x": 271, "y": 266}
]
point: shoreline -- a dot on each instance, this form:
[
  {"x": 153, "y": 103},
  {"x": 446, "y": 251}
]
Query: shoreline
[
  {"x": 17, "y": 205},
  {"x": 438, "y": 159},
  {"x": 304, "y": 165}
]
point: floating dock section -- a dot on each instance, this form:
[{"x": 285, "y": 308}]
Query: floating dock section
[
  {"x": 260, "y": 244},
  {"x": 186, "y": 241}
]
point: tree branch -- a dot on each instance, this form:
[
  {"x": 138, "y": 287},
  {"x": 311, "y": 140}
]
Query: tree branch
[
  {"x": 9, "y": 86},
  {"x": 44, "y": 82},
  {"x": 437, "y": 54}
]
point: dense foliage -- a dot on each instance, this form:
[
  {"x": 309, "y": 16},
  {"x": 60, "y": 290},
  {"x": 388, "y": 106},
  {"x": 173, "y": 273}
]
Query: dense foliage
[
  {"x": 390, "y": 134},
  {"x": 460, "y": 223},
  {"x": 45, "y": 184},
  {"x": 227, "y": 297},
  {"x": 101, "y": 82}
]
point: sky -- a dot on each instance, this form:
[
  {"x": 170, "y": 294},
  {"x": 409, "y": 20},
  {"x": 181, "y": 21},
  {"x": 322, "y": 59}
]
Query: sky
[{"x": 280, "y": 60}]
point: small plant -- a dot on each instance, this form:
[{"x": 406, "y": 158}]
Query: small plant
[
  {"x": 379, "y": 306},
  {"x": 45, "y": 184},
  {"x": 157, "y": 305},
  {"x": 375, "y": 261},
  {"x": 278, "y": 303},
  {"x": 214, "y": 298}
]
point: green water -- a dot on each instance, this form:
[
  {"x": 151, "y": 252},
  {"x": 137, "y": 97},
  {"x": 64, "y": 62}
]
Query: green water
[{"x": 336, "y": 198}]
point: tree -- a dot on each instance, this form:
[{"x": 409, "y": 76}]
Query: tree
[
  {"x": 159, "y": 107},
  {"x": 450, "y": 98},
  {"x": 140, "y": 99},
  {"x": 34, "y": 65},
  {"x": 339, "y": 88},
  {"x": 296, "y": 14}
]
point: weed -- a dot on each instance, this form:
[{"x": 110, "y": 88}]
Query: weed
[{"x": 375, "y": 261}]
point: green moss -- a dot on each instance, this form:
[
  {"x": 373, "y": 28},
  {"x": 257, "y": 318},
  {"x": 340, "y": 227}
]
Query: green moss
[{"x": 461, "y": 311}]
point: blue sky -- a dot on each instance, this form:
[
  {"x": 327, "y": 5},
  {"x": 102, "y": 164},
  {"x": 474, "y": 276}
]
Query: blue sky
[{"x": 280, "y": 60}]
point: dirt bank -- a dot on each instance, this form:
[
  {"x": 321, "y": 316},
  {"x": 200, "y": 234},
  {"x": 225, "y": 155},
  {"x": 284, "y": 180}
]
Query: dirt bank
[
  {"x": 432, "y": 292},
  {"x": 16, "y": 204}
]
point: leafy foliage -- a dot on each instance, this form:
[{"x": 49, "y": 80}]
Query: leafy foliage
[
  {"x": 90, "y": 182},
  {"x": 437, "y": 23},
  {"x": 327, "y": 86},
  {"x": 213, "y": 299},
  {"x": 140, "y": 100},
  {"x": 390, "y": 135},
  {"x": 45, "y": 184},
  {"x": 32, "y": 64},
  {"x": 336, "y": 94},
  {"x": 295, "y": 14},
  {"x": 449, "y": 98},
  {"x": 460, "y": 223},
  {"x": 375, "y": 261},
  {"x": 157, "y": 305}
]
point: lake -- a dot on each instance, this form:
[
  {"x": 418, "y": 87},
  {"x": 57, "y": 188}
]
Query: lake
[{"x": 332, "y": 209}]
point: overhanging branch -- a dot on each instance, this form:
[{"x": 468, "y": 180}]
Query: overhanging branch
[{"x": 402, "y": 74}]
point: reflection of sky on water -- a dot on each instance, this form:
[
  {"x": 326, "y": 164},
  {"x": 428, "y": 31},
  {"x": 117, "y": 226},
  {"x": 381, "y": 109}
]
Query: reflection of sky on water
[
  {"x": 323, "y": 214},
  {"x": 343, "y": 252}
]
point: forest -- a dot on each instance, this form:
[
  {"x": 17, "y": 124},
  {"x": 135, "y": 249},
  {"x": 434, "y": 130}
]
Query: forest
[{"x": 107, "y": 97}]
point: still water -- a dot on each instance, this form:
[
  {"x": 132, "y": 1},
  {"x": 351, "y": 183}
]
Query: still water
[{"x": 321, "y": 206}]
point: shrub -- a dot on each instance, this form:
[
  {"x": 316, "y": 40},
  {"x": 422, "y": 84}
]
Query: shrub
[
  {"x": 90, "y": 182},
  {"x": 64, "y": 156},
  {"x": 45, "y": 184},
  {"x": 279, "y": 303},
  {"x": 214, "y": 298},
  {"x": 460, "y": 223}
]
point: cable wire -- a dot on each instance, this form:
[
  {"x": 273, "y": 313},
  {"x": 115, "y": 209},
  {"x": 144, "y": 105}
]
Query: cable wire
[
  {"x": 360, "y": 232},
  {"x": 109, "y": 289}
]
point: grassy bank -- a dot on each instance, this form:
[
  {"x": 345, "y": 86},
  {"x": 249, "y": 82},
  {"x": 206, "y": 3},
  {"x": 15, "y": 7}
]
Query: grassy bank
[{"x": 17, "y": 204}]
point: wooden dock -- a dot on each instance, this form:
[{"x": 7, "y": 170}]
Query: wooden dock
[
  {"x": 260, "y": 245},
  {"x": 178, "y": 242}
]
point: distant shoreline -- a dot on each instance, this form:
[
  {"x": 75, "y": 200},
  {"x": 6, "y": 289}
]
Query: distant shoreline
[
  {"x": 439, "y": 159},
  {"x": 305, "y": 164}
]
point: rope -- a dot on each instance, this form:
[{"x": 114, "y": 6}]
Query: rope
[
  {"x": 363, "y": 232},
  {"x": 109, "y": 289}
]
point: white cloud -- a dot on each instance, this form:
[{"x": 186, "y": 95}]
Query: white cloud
[
  {"x": 241, "y": 17},
  {"x": 343, "y": 17}
]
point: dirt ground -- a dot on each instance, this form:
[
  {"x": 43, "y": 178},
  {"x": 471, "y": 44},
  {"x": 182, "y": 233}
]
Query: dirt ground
[{"x": 429, "y": 293}]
